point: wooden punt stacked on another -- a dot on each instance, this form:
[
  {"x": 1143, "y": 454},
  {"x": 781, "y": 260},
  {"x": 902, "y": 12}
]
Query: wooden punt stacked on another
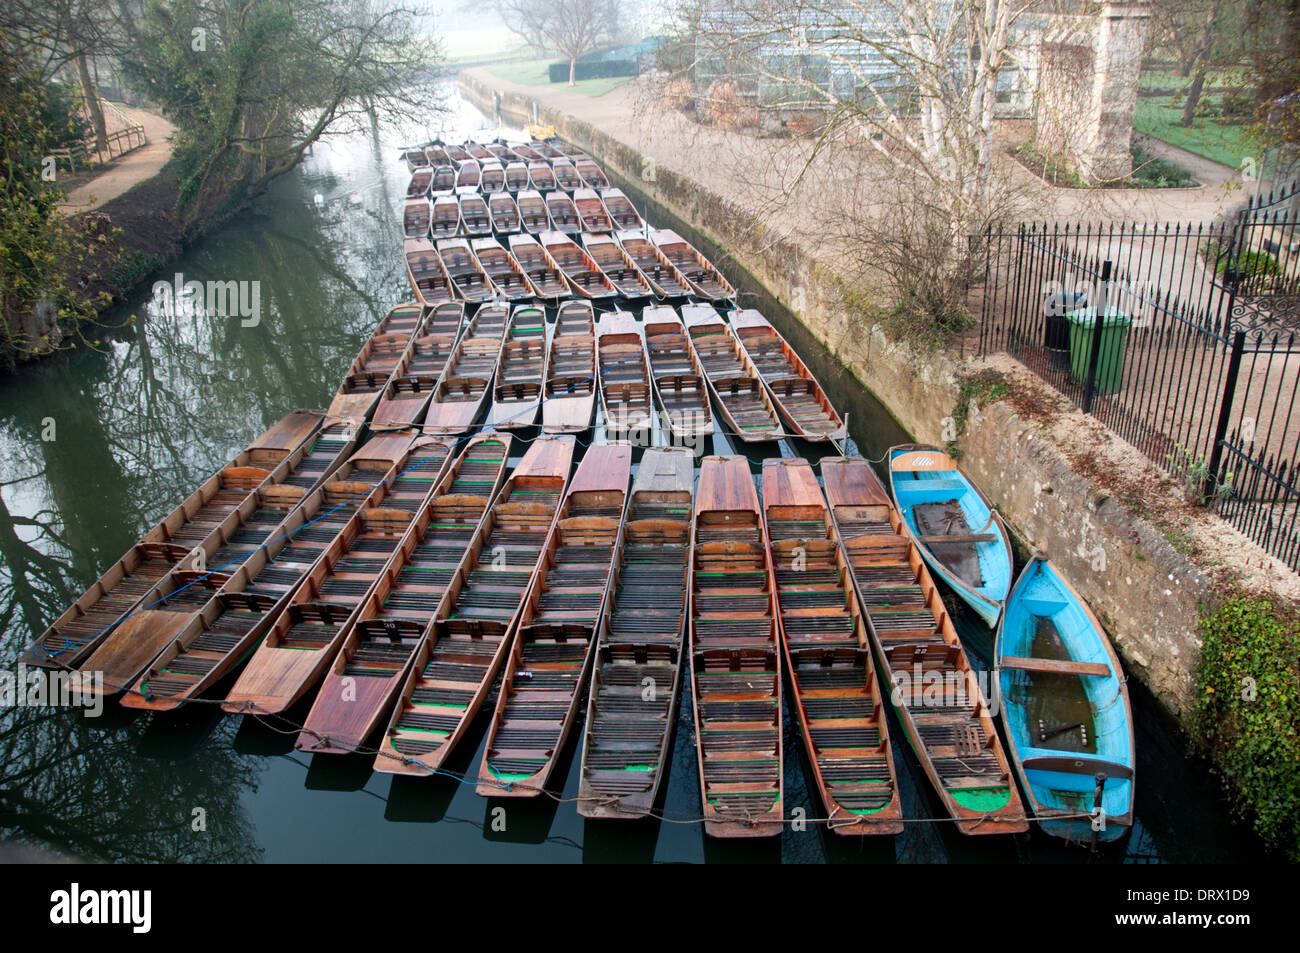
[
  {"x": 134, "y": 580},
  {"x": 571, "y": 370},
  {"x": 468, "y": 175},
  {"x": 803, "y": 405},
  {"x": 541, "y": 177},
  {"x": 475, "y": 218},
  {"x": 505, "y": 214},
  {"x": 305, "y": 637},
  {"x": 415, "y": 159},
  {"x": 580, "y": 269},
  {"x": 517, "y": 176},
  {"x": 532, "y": 213},
  {"x": 621, "y": 210},
  {"x": 540, "y": 268},
  {"x": 493, "y": 177},
  {"x": 466, "y": 274},
  {"x": 373, "y": 367},
  {"x": 592, "y": 212},
  {"x": 476, "y": 619},
  {"x": 703, "y": 278},
  {"x": 445, "y": 221},
  {"x": 416, "y": 217},
  {"x": 564, "y": 214},
  {"x": 502, "y": 270},
  {"x": 418, "y": 187},
  {"x": 237, "y": 617},
  {"x": 381, "y": 642},
  {"x": 566, "y": 176},
  {"x": 664, "y": 278},
  {"x": 427, "y": 274},
  {"x": 591, "y": 173},
  {"x": 478, "y": 151},
  {"x": 617, "y": 266},
  {"x": 936, "y": 693},
  {"x": 839, "y": 701},
  {"x": 679, "y": 380},
  {"x": 626, "y": 400},
  {"x": 443, "y": 181},
  {"x": 406, "y": 395},
  {"x": 629, "y": 730},
  {"x": 735, "y": 661},
  {"x": 732, "y": 377},
  {"x": 467, "y": 381},
  {"x": 520, "y": 372},
  {"x": 547, "y": 666}
]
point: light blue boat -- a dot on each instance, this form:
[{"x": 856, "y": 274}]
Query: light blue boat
[
  {"x": 954, "y": 526},
  {"x": 1065, "y": 707}
]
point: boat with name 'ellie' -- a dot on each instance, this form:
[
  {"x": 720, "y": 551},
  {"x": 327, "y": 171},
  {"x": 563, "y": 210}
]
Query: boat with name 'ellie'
[
  {"x": 471, "y": 634},
  {"x": 936, "y": 692},
  {"x": 546, "y": 669},
  {"x": 640, "y": 644}
]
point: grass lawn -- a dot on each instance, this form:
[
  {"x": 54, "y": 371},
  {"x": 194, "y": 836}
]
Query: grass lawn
[
  {"x": 1161, "y": 116},
  {"x": 534, "y": 73}
]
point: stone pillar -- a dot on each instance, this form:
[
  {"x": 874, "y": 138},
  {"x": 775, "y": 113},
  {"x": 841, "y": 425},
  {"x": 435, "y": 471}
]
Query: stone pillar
[{"x": 1088, "y": 81}]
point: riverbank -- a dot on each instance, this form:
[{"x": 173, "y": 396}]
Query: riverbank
[{"x": 1146, "y": 560}]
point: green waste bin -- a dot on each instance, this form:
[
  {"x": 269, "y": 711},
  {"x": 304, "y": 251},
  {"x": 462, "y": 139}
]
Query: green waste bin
[{"x": 1110, "y": 363}]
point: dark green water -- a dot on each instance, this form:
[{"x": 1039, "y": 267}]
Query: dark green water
[{"x": 135, "y": 429}]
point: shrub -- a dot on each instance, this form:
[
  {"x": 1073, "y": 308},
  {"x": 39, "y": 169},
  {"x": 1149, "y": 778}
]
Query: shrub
[{"x": 592, "y": 69}]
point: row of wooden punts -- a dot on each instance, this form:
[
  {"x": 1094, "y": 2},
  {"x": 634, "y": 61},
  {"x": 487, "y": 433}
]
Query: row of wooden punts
[
  {"x": 384, "y": 560},
  {"x": 529, "y": 211}
]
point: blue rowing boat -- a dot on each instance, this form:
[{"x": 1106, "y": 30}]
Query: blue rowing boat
[
  {"x": 1065, "y": 708},
  {"x": 954, "y": 526}
]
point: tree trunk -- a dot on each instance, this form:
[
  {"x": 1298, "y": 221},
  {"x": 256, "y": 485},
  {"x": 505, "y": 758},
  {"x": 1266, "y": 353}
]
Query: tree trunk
[
  {"x": 573, "y": 68},
  {"x": 1202, "y": 58},
  {"x": 1193, "y": 98},
  {"x": 91, "y": 95}
]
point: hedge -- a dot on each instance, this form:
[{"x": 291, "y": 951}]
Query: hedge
[{"x": 593, "y": 69}]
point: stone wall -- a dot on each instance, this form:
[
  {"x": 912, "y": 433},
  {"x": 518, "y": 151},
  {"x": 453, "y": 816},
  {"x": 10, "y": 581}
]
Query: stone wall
[{"x": 1144, "y": 591}]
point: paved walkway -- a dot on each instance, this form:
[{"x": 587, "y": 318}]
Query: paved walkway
[{"x": 129, "y": 170}]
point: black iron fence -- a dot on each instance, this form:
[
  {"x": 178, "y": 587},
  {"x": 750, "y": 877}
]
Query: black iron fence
[{"x": 1182, "y": 339}]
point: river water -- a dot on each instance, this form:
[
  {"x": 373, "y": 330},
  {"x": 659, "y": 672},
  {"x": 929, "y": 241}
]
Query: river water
[{"x": 96, "y": 446}]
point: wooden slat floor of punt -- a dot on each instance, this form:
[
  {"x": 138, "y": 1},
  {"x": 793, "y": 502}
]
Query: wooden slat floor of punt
[
  {"x": 322, "y": 456},
  {"x": 467, "y": 646},
  {"x": 799, "y": 395},
  {"x": 739, "y": 393},
  {"x": 627, "y": 732},
  {"x": 518, "y": 384},
  {"x": 655, "y": 267}
]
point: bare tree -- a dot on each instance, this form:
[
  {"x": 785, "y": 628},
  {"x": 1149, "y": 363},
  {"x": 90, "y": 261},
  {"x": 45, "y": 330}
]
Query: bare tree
[
  {"x": 527, "y": 20},
  {"x": 574, "y": 28}
]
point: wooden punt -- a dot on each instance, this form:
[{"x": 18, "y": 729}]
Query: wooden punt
[
  {"x": 416, "y": 217},
  {"x": 942, "y": 508},
  {"x": 626, "y": 399},
  {"x": 547, "y": 665},
  {"x": 136, "y": 579},
  {"x": 493, "y": 177},
  {"x": 542, "y": 271},
  {"x": 426, "y": 272},
  {"x": 471, "y": 633},
  {"x": 621, "y": 210},
  {"x": 1065, "y": 707},
  {"x": 568, "y": 149},
  {"x": 455, "y": 152},
  {"x": 532, "y": 212},
  {"x": 418, "y": 187},
  {"x": 733, "y": 379},
  {"x": 803, "y": 405},
  {"x": 445, "y": 222},
  {"x": 373, "y": 367},
  {"x": 443, "y": 181},
  {"x": 540, "y": 175},
  {"x": 478, "y": 151},
  {"x": 935, "y": 691},
  {"x": 305, "y": 637},
  {"x": 591, "y": 172},
  {"x": 566, "y": 176},
  {"x": 415, "y": 159},
  {"x": 230, "y": 623},
  {"x": 520, "y": 372},
  {"x": 546, "y": 150},
  {"x": 526, "y": 152},
  {"x": 571, "y": 370},
  {"x": 468, "y": 176},
  {"x": 466, "y": 274},
  {"x": 502, "y": 270},
  {"x": 380, "y": 643},
  {"x": 591, "y": 211},
  {"x": 838, "y": 698},
  {"x": 625, "y": 746},
  {"x": 678, "y": 378},
  {"x": 701, "y": 275},
  {"x": 436, "y": 154},
  {"x": 615, "y": 264},
  {"x": 475, "y": 218},
  {"x": 405, "y": 397},
  {"x": 580, "y": 269},
  {"x": 665, "y": 280},
  {"x": 501, "y": 152},
  {"x": 517, "y": 176},
  {"x": 735, "y": 665},
  {"x": 466, "y": 383},
  {"x": 505, "y": 214},
  {"x": 564, "y": 214}
]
